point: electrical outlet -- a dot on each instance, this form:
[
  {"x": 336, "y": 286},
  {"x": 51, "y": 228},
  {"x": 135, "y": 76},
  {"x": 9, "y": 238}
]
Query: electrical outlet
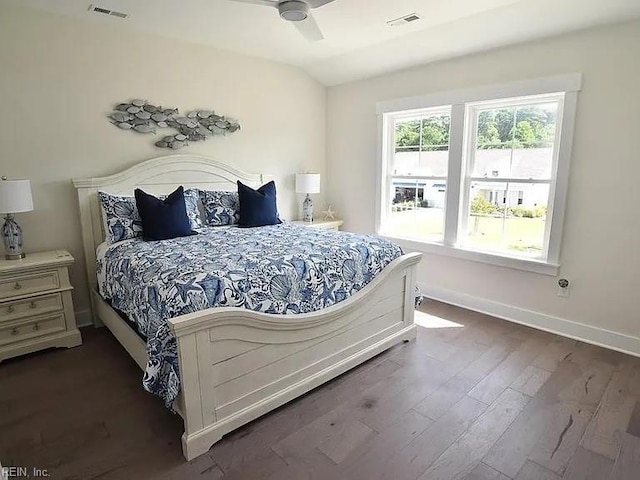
[{"x": 563, "y": 288}]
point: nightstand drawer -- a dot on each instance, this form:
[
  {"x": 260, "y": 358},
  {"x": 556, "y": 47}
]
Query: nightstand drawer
[
  {"x": 324, "y": 224},
  {"x": 34, "y": 327},
  {"x": 31, "y": 306},
  {"x": 26, "y": 284}
]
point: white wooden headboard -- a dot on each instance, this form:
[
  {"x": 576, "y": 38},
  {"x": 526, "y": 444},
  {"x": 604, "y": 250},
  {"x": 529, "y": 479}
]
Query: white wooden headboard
[{"x": 157, "y": 176}]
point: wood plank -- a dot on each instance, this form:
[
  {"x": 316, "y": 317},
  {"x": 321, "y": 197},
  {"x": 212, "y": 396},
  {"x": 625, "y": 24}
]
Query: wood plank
[
  {"x": 295, "y": 446},
  {"x": 590, "y": 387},
  {"x": 585, "y": 353},
  {"x": 533, "y": 471},
  {"x": 343, "y": 443},
  {"x": 265, "y": 464},
  {"x": 481, "y": 330},
  {"x": 483, "y": 365},
  {"x": 76, "y": 437},
  {"x": 485, "y": 472},
  {"x": 249, "y": 441},
  {"x": 559, "y": 349},
  {"x": 439, "y": 328},
  {"x": 455, "y": 359},
  {"x": 474, "y": 444},
  {"x": 633, "y": 427},
  {"x": 559, "y": 441},
  {"x": 371, "y": 457},
  {"x": 491, "y": 386},
  {"x": 368, "y": 404},
  {"x": 380, "y": 411},
  {"x": 627, "y": 464},
  {"x": 530, "y": 380},
  {"x": 416, "y": 457},
  {"x": 614, "y": 414},
  {"x": 587, "y": 465},
  {"x": 439, "y": 350},
  {"x": 441, "y": 400},
  {"x": 314, "y": 466},
  {"x": 564, "y": 390},
  {"x": 463, "y": 358}
]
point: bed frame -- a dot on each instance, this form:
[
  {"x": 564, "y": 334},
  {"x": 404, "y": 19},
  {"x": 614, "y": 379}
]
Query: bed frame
[{"x": 237, "y": 364}]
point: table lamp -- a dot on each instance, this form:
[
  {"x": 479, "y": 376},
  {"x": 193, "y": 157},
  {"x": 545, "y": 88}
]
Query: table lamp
[
  {"x": 15, "y": 197},
  {"x": 307, "y": 183}
]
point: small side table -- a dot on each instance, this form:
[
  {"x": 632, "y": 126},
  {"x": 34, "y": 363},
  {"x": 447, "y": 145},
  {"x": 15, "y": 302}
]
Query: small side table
[{"x": 36, "y": 309}]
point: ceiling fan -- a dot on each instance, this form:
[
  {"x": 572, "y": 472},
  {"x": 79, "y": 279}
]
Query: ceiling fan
[{"x": 297, "y": 12}]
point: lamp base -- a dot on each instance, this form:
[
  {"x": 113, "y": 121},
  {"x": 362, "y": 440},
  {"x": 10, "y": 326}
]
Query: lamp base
[
  {"x": 12, "y": 238},
  {"x": 307, "y": 209}
]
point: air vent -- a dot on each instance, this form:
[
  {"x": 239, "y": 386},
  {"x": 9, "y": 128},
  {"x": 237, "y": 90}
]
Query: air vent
[
  {"x": 106, "y": 11},
  {"x": 412, "y": 17}
]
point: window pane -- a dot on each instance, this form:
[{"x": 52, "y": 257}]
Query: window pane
[
  {"x": 507, "y": 217},
  {"x": 422, "y": 146},
  {"x": 417, "y": 209},
  {"x": 515, "y": 142}
]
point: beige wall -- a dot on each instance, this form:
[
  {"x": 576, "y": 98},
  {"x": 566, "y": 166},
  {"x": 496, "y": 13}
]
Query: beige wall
[
  {"x": 602, "y": 229},
  {"x": 60, "y": 77}
]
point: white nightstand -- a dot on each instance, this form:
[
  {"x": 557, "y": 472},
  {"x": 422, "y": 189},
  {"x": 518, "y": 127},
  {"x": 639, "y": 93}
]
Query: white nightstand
[
  {"x": 326, "y": 224},
  {"x": 36, "y": 310}
]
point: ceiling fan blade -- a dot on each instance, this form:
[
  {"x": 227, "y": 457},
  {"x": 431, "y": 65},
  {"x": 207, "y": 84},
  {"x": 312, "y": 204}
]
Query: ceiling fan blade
[
  {"x": 317, "y": 3},
  {"x": 266, "y": 3},
  {"x": 309, "y": 29}
]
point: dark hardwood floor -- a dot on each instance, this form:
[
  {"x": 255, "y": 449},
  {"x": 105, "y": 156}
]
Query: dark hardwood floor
[{"x": 473, "y": 398}]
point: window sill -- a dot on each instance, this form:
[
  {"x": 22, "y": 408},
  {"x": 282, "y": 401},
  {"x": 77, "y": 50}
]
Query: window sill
[{"x": 527, "y": 265}]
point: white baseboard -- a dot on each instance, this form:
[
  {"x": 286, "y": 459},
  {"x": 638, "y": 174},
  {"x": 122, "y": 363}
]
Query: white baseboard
[
  {"x": 83, "y": 318},
  {"x": 560, "y": 326}
]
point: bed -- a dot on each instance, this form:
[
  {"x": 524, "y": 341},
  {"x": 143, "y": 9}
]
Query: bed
[{"x": 236, "y": 364}]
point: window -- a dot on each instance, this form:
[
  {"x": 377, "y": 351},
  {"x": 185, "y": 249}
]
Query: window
[
  {"x": 509, "y": 160},
  {"x": 478, "y": 171},
  {"x": 418, "y": 174}
]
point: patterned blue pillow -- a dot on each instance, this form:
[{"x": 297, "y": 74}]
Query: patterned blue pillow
[
  {"x": 191, "y": 200},
  {"x": 122, "y": 220},
  {"x": 220, "y": 208}
]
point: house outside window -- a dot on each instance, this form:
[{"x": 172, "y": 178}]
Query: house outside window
[
  {"x": 418, "y": 173},
  {"x": 480, "y": 172}
]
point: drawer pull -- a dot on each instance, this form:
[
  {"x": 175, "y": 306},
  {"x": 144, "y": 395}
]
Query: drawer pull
[
  {"x": 36, "y": 327},
  {"x": 14, "y": 331},
  {"x": 17, "y": 286},
  {"x": 11, "y": 309},
  {"x": 33, "y": 305}
]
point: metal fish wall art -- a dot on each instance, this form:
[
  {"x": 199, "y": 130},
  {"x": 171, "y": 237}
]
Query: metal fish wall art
[{"x": 142, "y": 117}]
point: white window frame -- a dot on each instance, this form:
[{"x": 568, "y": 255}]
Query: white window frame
[{"x": 461, "y": 103}]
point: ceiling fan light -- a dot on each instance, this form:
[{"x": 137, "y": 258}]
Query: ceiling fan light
[{"x": 293, "y": 10}]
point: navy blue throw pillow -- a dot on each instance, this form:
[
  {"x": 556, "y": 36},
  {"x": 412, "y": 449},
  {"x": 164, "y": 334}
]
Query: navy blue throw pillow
[
  {"x": 163, "y": 219},
  {"x": 258, "y": 207}
]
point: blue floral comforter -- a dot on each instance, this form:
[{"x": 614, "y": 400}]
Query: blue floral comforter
[{"x": 280, "y": 269}]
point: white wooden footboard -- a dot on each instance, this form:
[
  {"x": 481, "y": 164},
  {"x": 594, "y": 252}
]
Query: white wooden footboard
[{"x": 238, "y": 364}]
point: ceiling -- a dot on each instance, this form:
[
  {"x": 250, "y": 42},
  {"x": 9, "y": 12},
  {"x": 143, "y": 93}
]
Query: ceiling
[{"x": 358, "y": 43}]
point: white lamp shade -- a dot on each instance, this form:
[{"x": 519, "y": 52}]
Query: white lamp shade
[
  {"x": 307, "y": 183},
  {"x": 15, "y": 196}
]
